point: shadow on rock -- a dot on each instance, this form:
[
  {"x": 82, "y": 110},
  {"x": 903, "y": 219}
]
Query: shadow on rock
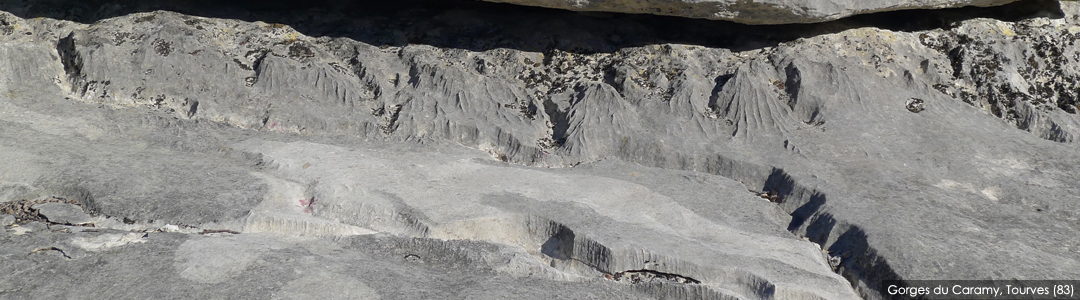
[{"x": 481, "y": 26}]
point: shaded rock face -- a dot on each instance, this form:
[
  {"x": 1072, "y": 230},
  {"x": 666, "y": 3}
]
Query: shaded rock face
[
  {"x": 616, "y": 156},
  {"x": 752, "y": 12}
]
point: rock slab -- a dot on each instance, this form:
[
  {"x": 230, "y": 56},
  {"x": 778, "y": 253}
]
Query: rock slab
[{"x": 63, "y": 213}]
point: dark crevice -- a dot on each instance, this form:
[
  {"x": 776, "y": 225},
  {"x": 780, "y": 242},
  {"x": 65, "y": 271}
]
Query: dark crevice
[
  {"x": 390, "y": 118},
  {"x": 860, "y": 263},
  {"x": 956, "y": 58},
  {"x": 257, "y": 61},
  {"x": 1058, "y": 134},
  {"x": 929, "y": 19},
  {"x": 779, "y": 182},
  {"x": 69, "y": 57},
  {"x": 819, "y": 227},
  {"x": 792, "y": 84},
  {"x": 194, "y": 107},
  {"x": 72, "y": 62},
  {"x": 213, "y": 231},
  {"x": 643, "y": 276},
  {"x": 50, "y": 249},
  {"x": 564, "y": 244},
  {"x": 714, "y": 98},
  {"x": 481, "y": 26},
  {"x": 560, "y": 122},
  {"x": 805, "y": 211},
  {"x": 561, "y": 244},
  {"x": 850, "y": 254}
]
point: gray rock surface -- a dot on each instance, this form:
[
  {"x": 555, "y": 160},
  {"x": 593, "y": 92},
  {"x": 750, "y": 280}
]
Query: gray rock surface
[
  {"x": 753, "y": 12},
  {"x": 6, "y": 220},
  {"x": 268, "y": 266},
  {"x": 63, "y": 213},
  {"x": 499, "y": 152}
]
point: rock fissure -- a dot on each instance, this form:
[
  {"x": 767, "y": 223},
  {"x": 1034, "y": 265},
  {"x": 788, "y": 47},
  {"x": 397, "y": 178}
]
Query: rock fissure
[
  {"x": 643, "y": 276},
  {"x": 45, "y": 249}
]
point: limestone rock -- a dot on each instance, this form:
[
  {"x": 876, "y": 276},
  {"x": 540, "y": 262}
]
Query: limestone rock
[
  {"x": 523, "y": 153},
  {"x": 63, "y": 213},
  {"x": 6, "y": 220}
]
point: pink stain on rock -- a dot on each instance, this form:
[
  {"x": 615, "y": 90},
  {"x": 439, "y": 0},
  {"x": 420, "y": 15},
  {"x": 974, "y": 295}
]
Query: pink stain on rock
[{"x": 308, "y": 205}]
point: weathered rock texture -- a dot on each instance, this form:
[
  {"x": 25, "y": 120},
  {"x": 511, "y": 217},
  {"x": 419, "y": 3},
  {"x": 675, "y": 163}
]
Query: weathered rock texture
[
  {"x": 753, "y": 11},
  {"x": 63, "y": 213},
  {"x": 938, "y": 145}
]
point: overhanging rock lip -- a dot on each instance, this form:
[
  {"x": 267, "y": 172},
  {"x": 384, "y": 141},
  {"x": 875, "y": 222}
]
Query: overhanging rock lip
[{"x": 751, "y": 12}]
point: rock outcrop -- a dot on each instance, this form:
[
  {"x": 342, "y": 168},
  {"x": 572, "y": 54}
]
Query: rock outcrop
[{"x": 404, "y": 152}]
